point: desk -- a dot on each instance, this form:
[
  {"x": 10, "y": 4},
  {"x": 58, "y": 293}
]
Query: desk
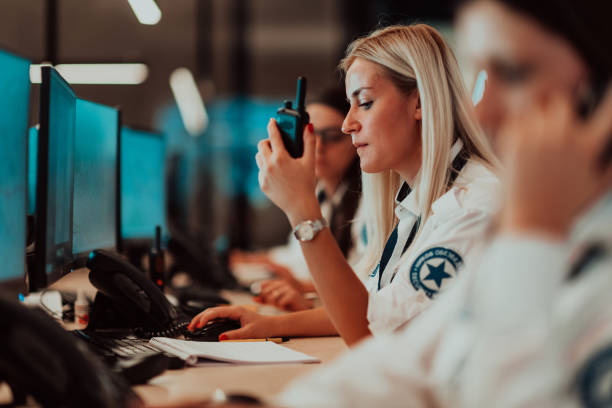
[{"x": 196, "y": 384}]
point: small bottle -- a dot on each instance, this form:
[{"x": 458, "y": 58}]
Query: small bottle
[
  {"x": 81, "y": 310},
  {"x": 157, "y": 271}
]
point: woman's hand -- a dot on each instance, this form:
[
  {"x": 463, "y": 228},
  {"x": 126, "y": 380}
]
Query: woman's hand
[
  {"x": 553, "y": 165},
  {"x": 254, "y": 325},
  {"x": 288, "y": 182},
  {"x": 283, "y": 295}
]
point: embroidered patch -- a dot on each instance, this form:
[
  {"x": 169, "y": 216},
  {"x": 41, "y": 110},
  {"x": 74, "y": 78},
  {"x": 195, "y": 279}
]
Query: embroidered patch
[
  {"x": 430, "y": 270},
  {"x": 595, "y": 380}
]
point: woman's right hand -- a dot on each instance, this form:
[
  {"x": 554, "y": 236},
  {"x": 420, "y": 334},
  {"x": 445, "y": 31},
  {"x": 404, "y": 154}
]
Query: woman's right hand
[
  {"x": 288, "y": 182},
  {"x": 254, "y": 325}
]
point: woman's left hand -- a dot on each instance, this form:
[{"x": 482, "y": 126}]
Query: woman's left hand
[{"x": 288, "y": 182}]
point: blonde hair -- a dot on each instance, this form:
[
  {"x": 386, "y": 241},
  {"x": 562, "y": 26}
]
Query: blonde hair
[{"x": 416, "y": 57}]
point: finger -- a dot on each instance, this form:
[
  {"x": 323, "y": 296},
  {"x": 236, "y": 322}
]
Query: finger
[
  {"x": 241, "y": 333},
  {"x": 285, "y": 300},
  {"x": 276, "y": 140},
  {"x": 265, "y": 148},
  {"x": 259, "y": 160},
  {"x": 271, "y": 289},
  {"x": 310, "y": 144},
  {"x": 223, "y": 312}
]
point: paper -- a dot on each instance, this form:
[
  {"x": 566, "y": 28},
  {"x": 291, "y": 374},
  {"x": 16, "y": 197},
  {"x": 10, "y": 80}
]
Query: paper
[{"x": 257, "y": 352}]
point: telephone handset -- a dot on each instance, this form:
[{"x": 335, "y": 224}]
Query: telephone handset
[
  {"x": 39, "y": 358},
  {"x": 126, "y": 298}
]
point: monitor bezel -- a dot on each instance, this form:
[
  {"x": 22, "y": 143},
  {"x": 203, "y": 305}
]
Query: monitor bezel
[{"x": 37, "y": 276}]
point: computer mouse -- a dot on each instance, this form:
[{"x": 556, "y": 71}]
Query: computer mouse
[{"x": 211, "y": 330}]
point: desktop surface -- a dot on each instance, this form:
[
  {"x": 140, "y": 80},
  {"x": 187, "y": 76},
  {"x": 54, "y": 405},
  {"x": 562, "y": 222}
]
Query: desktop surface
[{"x": 14, "y": 106}]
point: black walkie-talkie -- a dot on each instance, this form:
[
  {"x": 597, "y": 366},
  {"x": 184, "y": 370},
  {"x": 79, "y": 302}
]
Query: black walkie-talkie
[{"x": 291, "y": 122}]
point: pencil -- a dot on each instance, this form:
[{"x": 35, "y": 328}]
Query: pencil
[{"x": 272, "y": 339}]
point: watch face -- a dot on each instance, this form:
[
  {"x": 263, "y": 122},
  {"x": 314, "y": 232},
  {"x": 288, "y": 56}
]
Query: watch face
[{"x": 306, "y": 232}]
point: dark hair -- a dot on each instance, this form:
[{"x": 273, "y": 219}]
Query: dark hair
[{"x": 334, "y": 97}]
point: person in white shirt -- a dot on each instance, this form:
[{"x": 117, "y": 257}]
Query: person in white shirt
[
  {"x": 428, "y": 191},
  {"x": 531, "y": 325}
]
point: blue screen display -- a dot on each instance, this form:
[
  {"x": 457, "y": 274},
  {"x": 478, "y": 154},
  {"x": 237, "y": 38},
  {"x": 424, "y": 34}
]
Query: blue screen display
[
  {"x": 143, "y": 195},
  {"x": 14, "y": 106},
  {"x": 32, "y": 168},
  {"x": 95, "y": 182},
  {"x": 60, "y": 174}
]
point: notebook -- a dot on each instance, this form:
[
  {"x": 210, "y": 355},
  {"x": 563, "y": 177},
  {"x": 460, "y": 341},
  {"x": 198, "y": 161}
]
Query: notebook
[{"x": 261, "y": 352}]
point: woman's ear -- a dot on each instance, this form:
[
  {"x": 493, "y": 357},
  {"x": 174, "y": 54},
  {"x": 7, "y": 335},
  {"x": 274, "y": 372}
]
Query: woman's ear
[{"x": 417, "y": 111}]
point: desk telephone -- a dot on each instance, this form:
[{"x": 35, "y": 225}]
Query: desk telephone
[
  {"x": 38, "y": 358},
  {"x": 127, "y": 299}
]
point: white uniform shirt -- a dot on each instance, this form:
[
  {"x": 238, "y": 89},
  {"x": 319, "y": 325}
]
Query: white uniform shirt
[
  {"x": 511, "y": 332},
  {"x": 556, "y": 334},
  {"x": 444, "y": 243}
]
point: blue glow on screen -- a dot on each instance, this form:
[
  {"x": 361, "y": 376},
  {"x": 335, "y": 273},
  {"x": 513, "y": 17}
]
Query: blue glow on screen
[
  {"x": 60, "y": 173},
  {"x": 32, "y": 168},
  {"x": 143, "y": 195},
  {"x": 95, "y": 164},
  {"x": 14, "y": 106}
]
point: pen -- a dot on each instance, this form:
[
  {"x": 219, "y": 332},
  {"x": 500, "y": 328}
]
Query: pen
[{"x": 273, "y": 339}]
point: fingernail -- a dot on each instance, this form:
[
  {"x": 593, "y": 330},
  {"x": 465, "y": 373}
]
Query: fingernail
[
  {"x": 310, "y": 128},
  {"x": 222, "y": 337}
]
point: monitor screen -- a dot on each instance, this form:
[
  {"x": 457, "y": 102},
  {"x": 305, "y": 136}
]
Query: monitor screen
[
  {"x": 95, "y": 177},
  {"x": 14, "y": 106},
  {"x": 32, "y": 153},
  {"x": 54, "y": 190},
  {"x": 143, "y": 196}
]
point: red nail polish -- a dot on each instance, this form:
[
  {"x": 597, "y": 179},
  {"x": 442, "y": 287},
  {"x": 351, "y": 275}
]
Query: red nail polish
[
  {"x": 310, "y": 128},
  {"x": 222, "y": 337}
]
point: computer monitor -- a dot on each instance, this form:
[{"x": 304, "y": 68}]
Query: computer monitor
[
  {"x": 54, "y": 180},
  {"x": 32, "y": 168},
  {"x": 143, "y": 195},
  {"x": 95, "y": 179},
  {"x": 14, "y": 106}
]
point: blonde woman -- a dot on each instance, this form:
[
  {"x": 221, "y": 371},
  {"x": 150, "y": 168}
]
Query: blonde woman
[{"x": 428, "y": 188}]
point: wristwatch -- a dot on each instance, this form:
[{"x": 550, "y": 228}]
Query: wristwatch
[{"x": 307, "y": 230}]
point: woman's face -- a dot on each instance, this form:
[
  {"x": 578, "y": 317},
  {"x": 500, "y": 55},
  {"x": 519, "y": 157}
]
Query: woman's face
[
  {"x": 524, "y": 62},
  {"x": 383, "y": 122},
  {"x": 335, "y": 151}
]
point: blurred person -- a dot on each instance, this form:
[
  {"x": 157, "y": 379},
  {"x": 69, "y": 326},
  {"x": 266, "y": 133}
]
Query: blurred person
[
  {"x": 338, "y": 192},
  {"x": 429, "y": 188},
  {"x": 531, "y": 325}
]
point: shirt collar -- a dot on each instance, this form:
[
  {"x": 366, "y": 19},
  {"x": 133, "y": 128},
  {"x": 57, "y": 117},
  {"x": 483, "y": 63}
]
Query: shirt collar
[{"x": 406, "y": 204}]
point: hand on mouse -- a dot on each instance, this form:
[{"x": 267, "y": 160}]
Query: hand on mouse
[{"x": 254, "y": 325}]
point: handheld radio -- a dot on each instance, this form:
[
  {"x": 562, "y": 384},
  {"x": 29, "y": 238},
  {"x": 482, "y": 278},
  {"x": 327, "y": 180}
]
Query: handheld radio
[{"x": 291, "y": 122}]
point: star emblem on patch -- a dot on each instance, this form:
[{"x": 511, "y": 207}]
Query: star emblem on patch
[{"x": 433, "y": 269}]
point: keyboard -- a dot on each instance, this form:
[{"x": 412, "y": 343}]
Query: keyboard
[{"x": 122, "y": 347}]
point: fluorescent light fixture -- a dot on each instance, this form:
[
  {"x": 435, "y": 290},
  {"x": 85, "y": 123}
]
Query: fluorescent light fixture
[
  {"x": 189, "y": 101},
  {"x": 479, "y": 87},
  {"x": 147, "y": 12},
  {"x": 101, "y": 74}
]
